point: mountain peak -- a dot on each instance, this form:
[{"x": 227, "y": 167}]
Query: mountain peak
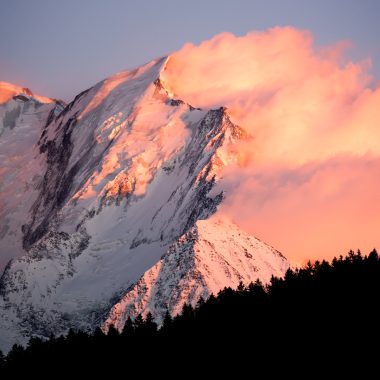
[
  {"x": 9, "y": 91},
  {"x": 213, "y": 254}
]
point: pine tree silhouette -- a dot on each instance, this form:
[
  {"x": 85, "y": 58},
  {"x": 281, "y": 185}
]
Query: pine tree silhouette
[{"x": 332, "y": 306}]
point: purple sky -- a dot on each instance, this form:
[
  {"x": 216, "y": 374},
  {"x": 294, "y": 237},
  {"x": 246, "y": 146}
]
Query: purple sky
[{"x": 58, "y": 48}]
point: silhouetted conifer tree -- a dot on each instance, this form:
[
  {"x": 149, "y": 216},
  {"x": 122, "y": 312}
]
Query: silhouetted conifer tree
[
  {"x": 150, "y": 325},
  {"x": 129, "y": 328}
]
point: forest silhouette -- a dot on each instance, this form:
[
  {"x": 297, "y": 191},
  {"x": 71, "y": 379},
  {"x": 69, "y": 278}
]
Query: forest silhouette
[{"x": 316, "y": 314}]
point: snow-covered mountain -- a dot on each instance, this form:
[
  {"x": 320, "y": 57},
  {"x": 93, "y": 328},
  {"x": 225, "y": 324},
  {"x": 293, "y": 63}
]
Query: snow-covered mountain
[
  {"x": 106, "y": 205},
  {"x": 22, "y": 115},
  {"x": 211, "y": 255}
]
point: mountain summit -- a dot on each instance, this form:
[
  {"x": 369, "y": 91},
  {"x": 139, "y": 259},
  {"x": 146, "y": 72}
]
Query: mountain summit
[
  {"x": 9, "y": 91},
  {"x": 108, "y": 208}
]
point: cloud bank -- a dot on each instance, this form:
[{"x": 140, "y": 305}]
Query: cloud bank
[{"x": 308, "y": 177}]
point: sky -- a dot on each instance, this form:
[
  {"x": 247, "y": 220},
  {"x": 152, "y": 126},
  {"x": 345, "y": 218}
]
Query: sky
[{"x": 59, "y": 48}]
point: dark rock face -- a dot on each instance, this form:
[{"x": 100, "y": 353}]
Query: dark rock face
[
  {"x": 55, "y": 186},
  {"x": 23, "y": 98}
]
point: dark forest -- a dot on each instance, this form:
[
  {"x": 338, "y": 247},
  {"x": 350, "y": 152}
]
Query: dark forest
[{"x": 320, "y": 313}]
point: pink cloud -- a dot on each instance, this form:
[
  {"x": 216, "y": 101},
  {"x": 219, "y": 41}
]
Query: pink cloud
[{"x": 308, "y": 176}]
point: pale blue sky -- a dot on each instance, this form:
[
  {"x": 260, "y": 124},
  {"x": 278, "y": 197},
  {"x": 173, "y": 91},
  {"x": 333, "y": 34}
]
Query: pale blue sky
[{"x": 58, "y": 48}]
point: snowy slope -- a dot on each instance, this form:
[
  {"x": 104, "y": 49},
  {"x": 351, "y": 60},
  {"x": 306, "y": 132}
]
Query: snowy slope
[
  {"x": 211, "y": 255},
  {"x": 124, "y": 172},
  {"x": 22, "y": 115}
]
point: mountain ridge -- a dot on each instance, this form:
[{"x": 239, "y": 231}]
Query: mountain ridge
[{"x": 182, "y": 276}]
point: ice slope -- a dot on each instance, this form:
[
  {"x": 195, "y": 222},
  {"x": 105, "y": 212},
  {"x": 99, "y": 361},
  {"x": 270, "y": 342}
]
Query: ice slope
[
  {"x": 211, "y": 255},
  {"x": 125, "y": 170}
]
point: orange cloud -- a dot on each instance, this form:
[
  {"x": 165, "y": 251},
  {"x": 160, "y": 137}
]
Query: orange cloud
[{"x": 309, "y": 179}]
